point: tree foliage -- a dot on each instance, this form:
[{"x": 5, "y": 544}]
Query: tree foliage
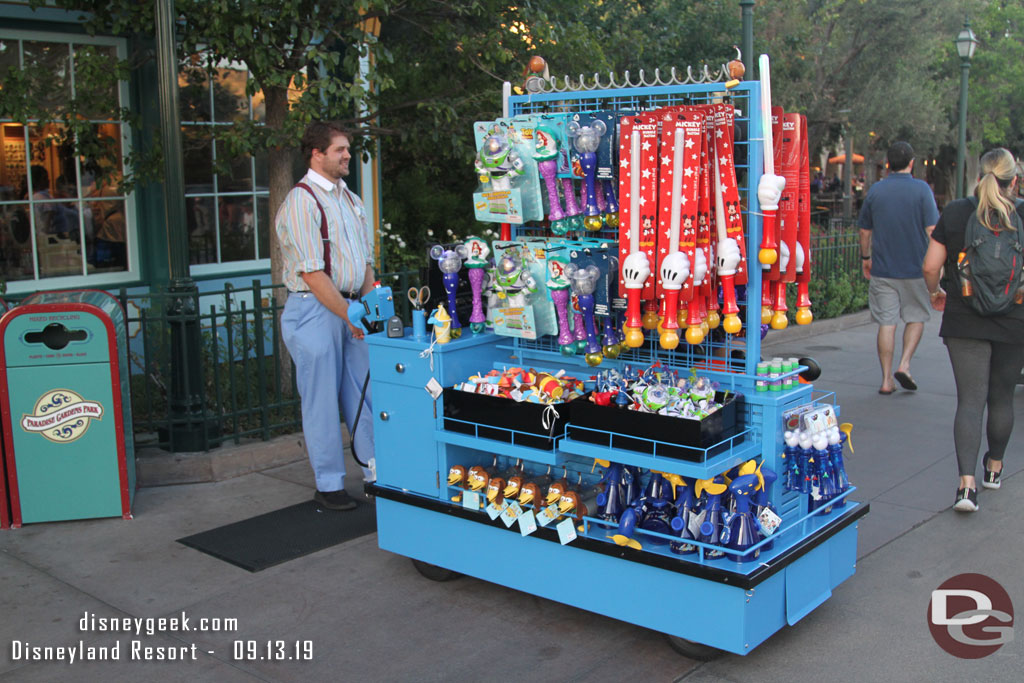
[{"x": 876, "y": 69}]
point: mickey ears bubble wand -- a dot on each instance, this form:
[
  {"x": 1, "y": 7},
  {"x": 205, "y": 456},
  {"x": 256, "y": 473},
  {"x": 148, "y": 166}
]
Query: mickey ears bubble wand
[{"x": 450, "y": 263}]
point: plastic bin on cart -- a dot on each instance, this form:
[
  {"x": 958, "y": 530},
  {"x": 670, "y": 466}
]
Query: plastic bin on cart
[{"x": 66, "y": 408}]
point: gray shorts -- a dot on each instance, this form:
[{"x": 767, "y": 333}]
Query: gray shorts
[{"x": 891, "y": 299}]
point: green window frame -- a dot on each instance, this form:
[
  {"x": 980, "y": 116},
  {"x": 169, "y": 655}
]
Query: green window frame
[{"x": 60, "y": 230}]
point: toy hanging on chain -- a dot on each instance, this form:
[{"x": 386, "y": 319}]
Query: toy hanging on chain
[{"x": 476, "y": 263}]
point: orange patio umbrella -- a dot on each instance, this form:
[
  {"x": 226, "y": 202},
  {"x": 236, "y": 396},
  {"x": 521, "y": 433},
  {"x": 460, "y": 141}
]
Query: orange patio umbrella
[{"x": 841, "y": 159}]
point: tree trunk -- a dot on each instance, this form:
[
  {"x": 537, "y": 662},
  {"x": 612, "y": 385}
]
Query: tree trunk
[{"x": 279, "y": 171}]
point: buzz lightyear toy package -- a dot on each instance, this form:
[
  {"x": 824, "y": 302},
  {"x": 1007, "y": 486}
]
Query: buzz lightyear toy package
[
  {"x": 511, "y": 290},
  {"x": 509, "y": 190}
]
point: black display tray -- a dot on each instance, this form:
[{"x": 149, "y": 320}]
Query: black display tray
[
  {"x": 685, "y": 439},
  {"x": 502, "y": 419}
]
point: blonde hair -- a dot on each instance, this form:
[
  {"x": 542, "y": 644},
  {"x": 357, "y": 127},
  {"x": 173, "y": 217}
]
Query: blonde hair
[{"x": 998, "y": 169}]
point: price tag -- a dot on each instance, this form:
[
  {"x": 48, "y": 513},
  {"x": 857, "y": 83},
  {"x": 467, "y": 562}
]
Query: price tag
[
  {"x": 527, "y": 523},
  {"x": 471, "y": 500},
  {"x": 548, "y": 514},
  {"x": 566, "y": 531},
  {"x": 434, "y": 388},
  {"x": 494, "y": 510},
  {"x": 769, "y": 521},
  {"x": 511, "y": 513}
]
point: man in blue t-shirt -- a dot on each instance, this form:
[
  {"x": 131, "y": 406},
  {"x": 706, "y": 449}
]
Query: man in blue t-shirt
[{"x": 896, "y": 222}]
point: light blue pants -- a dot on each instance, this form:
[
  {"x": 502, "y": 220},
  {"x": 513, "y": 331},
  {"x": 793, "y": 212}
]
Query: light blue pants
[{"x": 330, "y": 369}]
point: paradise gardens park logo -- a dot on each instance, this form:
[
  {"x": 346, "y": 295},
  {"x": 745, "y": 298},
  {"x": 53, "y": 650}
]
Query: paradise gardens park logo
[{"x": 62, "y": 416}]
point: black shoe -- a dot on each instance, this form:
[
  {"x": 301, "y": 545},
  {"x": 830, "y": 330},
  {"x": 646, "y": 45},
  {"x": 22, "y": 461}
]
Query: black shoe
[
  {"x": 966, "y": 500},
  {"x": 336, "y": 500},
  {"x": 991, "y": 479}
]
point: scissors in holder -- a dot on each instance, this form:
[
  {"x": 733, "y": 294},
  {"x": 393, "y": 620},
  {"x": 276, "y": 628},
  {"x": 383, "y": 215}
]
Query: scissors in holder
[{"x": 419, "y": 297}]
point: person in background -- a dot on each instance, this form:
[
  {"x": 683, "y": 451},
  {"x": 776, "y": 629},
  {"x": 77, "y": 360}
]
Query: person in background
[
  {"x": 324, "y": 275},
  {"x": 895, "y": 221},
  {"x": 986, "y": 352}
]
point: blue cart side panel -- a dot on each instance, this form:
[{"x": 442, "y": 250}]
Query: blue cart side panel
[{"x": 727, "y": 617}]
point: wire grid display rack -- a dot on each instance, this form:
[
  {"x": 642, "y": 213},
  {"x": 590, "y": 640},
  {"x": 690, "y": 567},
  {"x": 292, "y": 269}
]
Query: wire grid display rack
[{"x": 719, "y": 352}]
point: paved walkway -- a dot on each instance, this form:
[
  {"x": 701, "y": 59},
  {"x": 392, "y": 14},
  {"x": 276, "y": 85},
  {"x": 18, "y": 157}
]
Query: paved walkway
[{"x": 371, "y": 617}]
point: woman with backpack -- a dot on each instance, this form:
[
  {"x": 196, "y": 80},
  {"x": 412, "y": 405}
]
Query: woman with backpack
[{"x": 976, "y": 247}]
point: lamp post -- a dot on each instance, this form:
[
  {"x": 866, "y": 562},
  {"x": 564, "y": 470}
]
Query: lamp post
[
  {"x": 965, "y": 44},
  {"x": 747, "y": 15},
  {"x": 187, "y": 429}
]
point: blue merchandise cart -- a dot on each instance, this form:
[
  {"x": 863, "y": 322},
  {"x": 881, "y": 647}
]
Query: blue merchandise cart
[{"x": 741, "y": 599}]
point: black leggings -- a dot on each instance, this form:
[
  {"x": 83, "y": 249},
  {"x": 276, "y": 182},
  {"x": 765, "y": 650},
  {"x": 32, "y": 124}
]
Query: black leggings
[{"x": 986, "y": 373}]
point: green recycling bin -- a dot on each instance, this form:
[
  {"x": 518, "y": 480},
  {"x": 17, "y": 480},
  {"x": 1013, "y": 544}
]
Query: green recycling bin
[{"x": 66, "y": 406}]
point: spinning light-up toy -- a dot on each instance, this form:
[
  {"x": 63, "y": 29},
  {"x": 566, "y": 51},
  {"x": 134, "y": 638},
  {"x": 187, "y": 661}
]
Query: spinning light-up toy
[
  {"x": 450, "y": 263},
  {"x": 476, "y": 264},
  {"x": 586, "y": 140},
  {"x": 584, "y": 282},
  {"x": 558, "y": 287},
  {"x": 546, "y": 154}
]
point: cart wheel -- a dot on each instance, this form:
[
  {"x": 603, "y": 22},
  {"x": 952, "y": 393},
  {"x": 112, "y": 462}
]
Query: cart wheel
[
  {"x": 692, "y": 650},
  {"x": 813, "y": 370},
  {"x": 435, "y": 573}
]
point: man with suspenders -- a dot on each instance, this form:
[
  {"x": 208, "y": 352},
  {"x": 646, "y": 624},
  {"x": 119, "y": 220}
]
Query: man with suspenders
[{"x": 327, "y": 249}]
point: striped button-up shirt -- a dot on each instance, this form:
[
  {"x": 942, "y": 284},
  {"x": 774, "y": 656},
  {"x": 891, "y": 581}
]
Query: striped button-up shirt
[{"x": 298, "y": 232}]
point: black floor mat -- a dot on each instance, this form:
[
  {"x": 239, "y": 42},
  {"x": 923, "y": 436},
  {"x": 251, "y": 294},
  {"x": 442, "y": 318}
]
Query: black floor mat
[{"x": 275, "y": 537}]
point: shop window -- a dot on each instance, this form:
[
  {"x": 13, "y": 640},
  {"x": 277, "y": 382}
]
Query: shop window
[
  {"x": 227, "y": 209},
  {"x": 63, "y": 221}
]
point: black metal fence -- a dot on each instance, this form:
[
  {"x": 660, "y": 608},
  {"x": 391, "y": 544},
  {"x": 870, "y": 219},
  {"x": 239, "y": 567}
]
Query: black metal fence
[
  {"x": 246, "y": 388},
  {"x": 836, "y": 250}
]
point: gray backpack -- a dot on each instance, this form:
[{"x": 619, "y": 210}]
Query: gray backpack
[{"x": 991, "y": 265}]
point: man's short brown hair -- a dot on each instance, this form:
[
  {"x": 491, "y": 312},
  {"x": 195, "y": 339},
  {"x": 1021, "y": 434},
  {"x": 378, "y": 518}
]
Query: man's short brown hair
[{"x": 319, "y": 134}]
